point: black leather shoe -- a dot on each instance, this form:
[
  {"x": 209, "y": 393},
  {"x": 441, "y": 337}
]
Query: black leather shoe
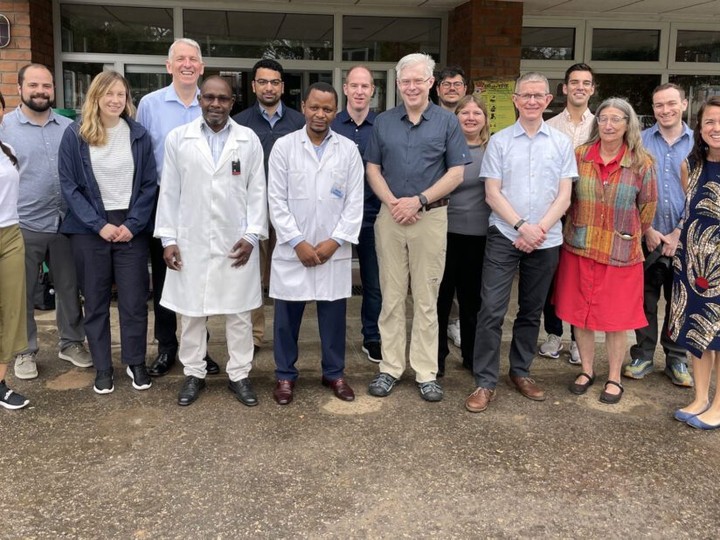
[
  {"x": 190, "y": 390},
  {"x": 212, "y": 368},
  {"x": 162, "y": 364},
  {"x": 244, "y": 392}
]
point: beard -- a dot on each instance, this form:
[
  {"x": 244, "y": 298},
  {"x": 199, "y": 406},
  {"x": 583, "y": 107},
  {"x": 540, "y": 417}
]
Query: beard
[{"x": 37, "y": 106}]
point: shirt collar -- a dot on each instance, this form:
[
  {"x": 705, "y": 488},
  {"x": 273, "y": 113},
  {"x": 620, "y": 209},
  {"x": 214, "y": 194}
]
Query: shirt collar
[
  {"x": 587, "y": 115},
  {"x": 25, "y": 120},
  {"x": 593, "y": 154},
  {"x": 425, "y": 115},
  {"x": 345, "y": 118},
  {"x": 171, "y": 95},
  {"x": 278, "y": 112},
  {"x": 208, "y": 131},
  {"x": 655, "y": 131},
  {"x": 518, "y": 129}
]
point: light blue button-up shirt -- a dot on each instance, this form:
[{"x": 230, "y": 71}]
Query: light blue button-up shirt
[
  {"x": 529, "y": 169},
  {"x": 668, "y": 158},
  {"x": 277, "y": 115}
]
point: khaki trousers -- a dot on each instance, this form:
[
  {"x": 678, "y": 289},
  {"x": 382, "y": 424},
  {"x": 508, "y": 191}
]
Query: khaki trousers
[{"x": 13, "y": 328}]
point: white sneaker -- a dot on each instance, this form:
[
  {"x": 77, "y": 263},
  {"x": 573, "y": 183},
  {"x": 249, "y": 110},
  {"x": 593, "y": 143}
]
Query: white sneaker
[
  {"x": 25, "y": 366},
  {"x": 77, "y": 355},
  {"x": 453, "y": 332},
  {"x": 552, "y": 346},
  {"x": 574, "y": 355}
]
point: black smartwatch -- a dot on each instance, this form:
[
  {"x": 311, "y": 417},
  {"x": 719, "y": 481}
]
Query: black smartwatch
[{"x": 423, "y": 200}]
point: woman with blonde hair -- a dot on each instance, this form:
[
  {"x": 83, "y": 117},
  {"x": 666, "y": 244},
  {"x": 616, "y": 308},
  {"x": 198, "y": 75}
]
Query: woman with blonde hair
[
  {"x": 599, "y": 284},
  {"x": 109, "y": 179}
]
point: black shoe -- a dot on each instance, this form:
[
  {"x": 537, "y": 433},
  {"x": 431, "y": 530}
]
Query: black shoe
[
  {"x": 139, "y": 375},
  {"x": 373, "y": 351},
  {"x": 244, "y": 392},
  {"x": 190, "y": 390},
  {"x": 104, "y": 382},
  {"x": 211, "y": 368},
  {"x": 11, "y": 400},
  {"x": 163, "y": 363}
]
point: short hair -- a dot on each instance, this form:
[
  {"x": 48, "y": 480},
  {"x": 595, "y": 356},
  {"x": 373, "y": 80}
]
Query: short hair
[
  {"x": 92, "y": 128},
  {"x": 699, "y": 153},
  {"x": 480, "y": 102},
  {"x": 21, "y": 73},
  {"x": 533, "y": 76},
  {"x": 579, "y": 67},
  {"x": 185, "y": 41},
  {"x": 5, "y": 149},
  {"x": 267, "y": 63},
  {"x": 668, "y": 86},
  {"x": 360, "y": 66},
  {"x": 320, "y": 87},
  {"x": 449, "y": 72},
  {"x": 218, "y": 78},
  {"x": 416, "y": 58}
]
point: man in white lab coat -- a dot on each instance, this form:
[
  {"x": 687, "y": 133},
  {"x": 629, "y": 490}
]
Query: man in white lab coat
[
  {"x": 211, "y": 214},
  {"x": 315, "y": 194}
]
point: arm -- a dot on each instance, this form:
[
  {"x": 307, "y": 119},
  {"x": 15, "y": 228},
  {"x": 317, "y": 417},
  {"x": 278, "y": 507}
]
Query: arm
[
  {"x": 168, "y": 207},
  {"x": 141, "y": 208},
  {"x": 531, "y": 234},
  {"x": 647, "y": 198}
]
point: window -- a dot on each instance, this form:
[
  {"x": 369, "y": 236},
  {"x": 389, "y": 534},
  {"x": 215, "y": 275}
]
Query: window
[
  {"x": 541, "y": 43},
  {"x": 637, "y": 89},
  {"x": 387, "y": 39},
  {"x": 77, "y": 77},
  {"x": 625, "y": 45},
  {"x": 697, "y": 46},
  {"x": 698, "y": 88}
]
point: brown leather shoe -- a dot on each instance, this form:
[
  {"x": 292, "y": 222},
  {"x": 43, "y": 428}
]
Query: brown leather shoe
[
  {"x": 283, "y": 392},
  {"x": 479, "y": 400},
  {"x": 340, "y": 388},
  {"x": 527, "y": 387}
]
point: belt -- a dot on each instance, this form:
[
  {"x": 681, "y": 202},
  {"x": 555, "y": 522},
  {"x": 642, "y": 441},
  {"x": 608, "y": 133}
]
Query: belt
[{"x": 438, "y": 204}]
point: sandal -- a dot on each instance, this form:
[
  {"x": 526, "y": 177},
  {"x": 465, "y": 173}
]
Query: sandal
[
  {"x": 612, "y": 399},
  {"x": 580, "y": 388}
]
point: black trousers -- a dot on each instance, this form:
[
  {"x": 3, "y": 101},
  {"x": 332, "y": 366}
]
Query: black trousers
[{"x": 165, "y": 321}]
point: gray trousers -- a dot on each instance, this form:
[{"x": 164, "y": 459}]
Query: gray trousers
[
  {"x": 67, "y": 300},
  {"x": 537, "y": 268}
]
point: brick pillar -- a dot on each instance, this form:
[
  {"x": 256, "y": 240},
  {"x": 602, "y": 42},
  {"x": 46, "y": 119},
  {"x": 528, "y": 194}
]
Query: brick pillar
[
  {"x": 31, "y": 40},
  {"x": 484, "y": 38}
]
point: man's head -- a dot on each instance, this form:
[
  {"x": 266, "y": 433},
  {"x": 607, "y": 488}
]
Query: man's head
[
  {"x": 36, "y": 87},
  {"x": 319, "y": 106},
  {"x": 451, "y": 87},
  {"x": 216, "y": 101},
  {"x": 669, "y": 104},
  {"x": 532, "y": 96},
  {"x": 579, "y": 85},
  {"x": 359, "y": 88},
  {"x": 184, "y": 62},
  {"x": 414, "y": 74},
  {"x": 267, "y": 83}
]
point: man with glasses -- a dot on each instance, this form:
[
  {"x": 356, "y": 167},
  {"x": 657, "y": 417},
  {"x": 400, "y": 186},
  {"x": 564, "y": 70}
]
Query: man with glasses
[
  {"x": 270, "y": 119},
  {"x": 451, "y": 87},
  {"x": 416, "y": 156},
  {"x": 528, "y": 170},
  {"x": 212, "y": 212},
  {"x": 669, "y": 141}
]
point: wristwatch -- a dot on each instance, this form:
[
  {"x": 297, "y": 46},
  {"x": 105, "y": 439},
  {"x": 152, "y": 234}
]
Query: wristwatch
[
  {"x": 423, "y": 200},
  {"x": 519, "y": 224}
]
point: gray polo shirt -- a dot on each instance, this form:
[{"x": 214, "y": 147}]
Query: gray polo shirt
[
  {"x": 413, "y": 157},
  {"x": 40, "y": 204}
]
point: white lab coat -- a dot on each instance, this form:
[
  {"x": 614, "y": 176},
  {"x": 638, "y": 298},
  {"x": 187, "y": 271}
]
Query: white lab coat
[
  {"x": 317, "y": 200},
  {"x": 207, "y": 209}
]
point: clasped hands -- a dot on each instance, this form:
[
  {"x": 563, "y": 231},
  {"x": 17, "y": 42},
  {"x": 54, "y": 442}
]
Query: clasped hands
[
  {"x": 405, "y": 210},
  {"x": 315, "y": 255},
  {"x": 531, "y": 237},
  {"x": 115, "y": 233}
]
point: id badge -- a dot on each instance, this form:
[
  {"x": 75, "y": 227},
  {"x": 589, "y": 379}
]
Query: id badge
[{"x": 338, "y": 190}]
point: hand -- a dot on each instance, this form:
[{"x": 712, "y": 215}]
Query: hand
[
  {"x": 670, "y": 243},
  {"x": 533, "y": 234},
  {"x": 306, "y": 253},
  {"x": 241, "y": 253},
  {"x": 405, "y": 210},
  {"x": 326, "y": 249},
  {"x": 652, "y": 239},
  {"x": 108, "y": 232},
  {"x": 523, "y": 245},
  {"x": 171, "y": 255},
  {"x": 123, "y": 234}
]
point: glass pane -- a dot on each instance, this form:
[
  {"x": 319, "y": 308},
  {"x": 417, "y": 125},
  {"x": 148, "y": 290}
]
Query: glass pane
[
  {"x": 548, "y": 43},
  {"x": 77, "y": 77},
  {"x": 695, "y": 46},
  {"x": 377, "y": 103},
  {"x": 387, "y": 39},
  {"x": 698, "y": 88},
  {"x": 144, "y": 80},
  {"x": 261, "y": 35},
  {"x": 637, "y": 89},
  {"x": 626, "y": 45},
  {"x": 116, "y": 29}
]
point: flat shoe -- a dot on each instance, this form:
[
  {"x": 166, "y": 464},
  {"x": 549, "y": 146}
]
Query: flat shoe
[
  {"x": 699, "y": 424},
  {"x": 612, "y": 399},
  {"x": 580, "y": 388},
  {"x": 682, "y": 416}
]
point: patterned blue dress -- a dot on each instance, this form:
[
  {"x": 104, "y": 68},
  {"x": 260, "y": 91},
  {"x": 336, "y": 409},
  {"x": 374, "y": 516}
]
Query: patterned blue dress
[{"x": 695, "y": 309}]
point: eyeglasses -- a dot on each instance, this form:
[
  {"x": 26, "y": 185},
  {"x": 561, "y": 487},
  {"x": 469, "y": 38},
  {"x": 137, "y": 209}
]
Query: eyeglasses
[
  {"x": 448, "y": 84},
  {"x": 272, "y": 82},
  {"x": 614, "y": 120},
  {"x": 404, "y": 83},
  {"x": 528, "y": 97},
  {"x": 209, "y": 98}
]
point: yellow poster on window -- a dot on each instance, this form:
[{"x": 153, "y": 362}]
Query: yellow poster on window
[{"x": 497, "y": 95}]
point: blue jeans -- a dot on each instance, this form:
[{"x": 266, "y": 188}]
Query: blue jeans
[{"x": 370, "y": 279}]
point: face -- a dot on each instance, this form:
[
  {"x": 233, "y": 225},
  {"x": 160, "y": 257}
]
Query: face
[
  {"x": 669, "y": 107},
  {"x": 37, "y": 91},
  {"x": 414, "y": 86},
  {"x": 472, "y": 120},
  {"x": 268, "y": 86},
  {"x": 710, "y": 130},
  {"x": 185, "y": 65},
  {"x": 112, "y": 104},
  {"x": 450, "y": 90},
  {"x": 612, "y": 125},
  {"x": 531, "y": 99},
  {"x": 579, "y": 88},
  {"x": 319, "y": 110},
  {"x": 358, "y": 89},
  {"x": 216, "y": 101}
]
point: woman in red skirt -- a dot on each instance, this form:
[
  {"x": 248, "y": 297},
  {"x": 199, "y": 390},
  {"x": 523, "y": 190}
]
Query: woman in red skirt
[{"x": 599, "y": 283}]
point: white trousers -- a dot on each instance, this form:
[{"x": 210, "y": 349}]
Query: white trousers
[{"x": 193, "y": 345}]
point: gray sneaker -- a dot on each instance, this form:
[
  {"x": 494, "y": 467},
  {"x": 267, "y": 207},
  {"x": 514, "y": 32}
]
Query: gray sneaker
[
  {"x": 431, "y": 391},
  {"x": 77, "y": 355},
  {"x": 382, "y": 385},
  {"x": 25, "y": 366}
]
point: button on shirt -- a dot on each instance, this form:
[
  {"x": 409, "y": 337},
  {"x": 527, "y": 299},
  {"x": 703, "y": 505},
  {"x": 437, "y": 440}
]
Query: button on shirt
[
  {"x": 40, "y": 204},
  {"x": 579, "y": 133},
  {"x": 530, "y": 170},
  {"x": 671, "y": 197}
]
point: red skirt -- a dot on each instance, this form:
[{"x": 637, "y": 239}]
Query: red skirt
[{"x": 597, "y": 296}]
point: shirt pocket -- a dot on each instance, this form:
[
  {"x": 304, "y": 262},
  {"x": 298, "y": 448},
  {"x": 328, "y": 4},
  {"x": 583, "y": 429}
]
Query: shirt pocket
[{"x": 297, "y": 185}]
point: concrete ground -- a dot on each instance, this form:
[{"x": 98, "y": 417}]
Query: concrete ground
[{"x": 136, "y": 465}]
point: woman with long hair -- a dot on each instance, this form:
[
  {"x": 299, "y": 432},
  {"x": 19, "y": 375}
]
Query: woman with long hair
[
  {"x": 599, "y": 284},
  {"x": 108, "y": 179}
]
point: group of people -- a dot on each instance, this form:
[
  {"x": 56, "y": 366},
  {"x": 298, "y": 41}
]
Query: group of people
[{"x": 430, "y": 199}]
